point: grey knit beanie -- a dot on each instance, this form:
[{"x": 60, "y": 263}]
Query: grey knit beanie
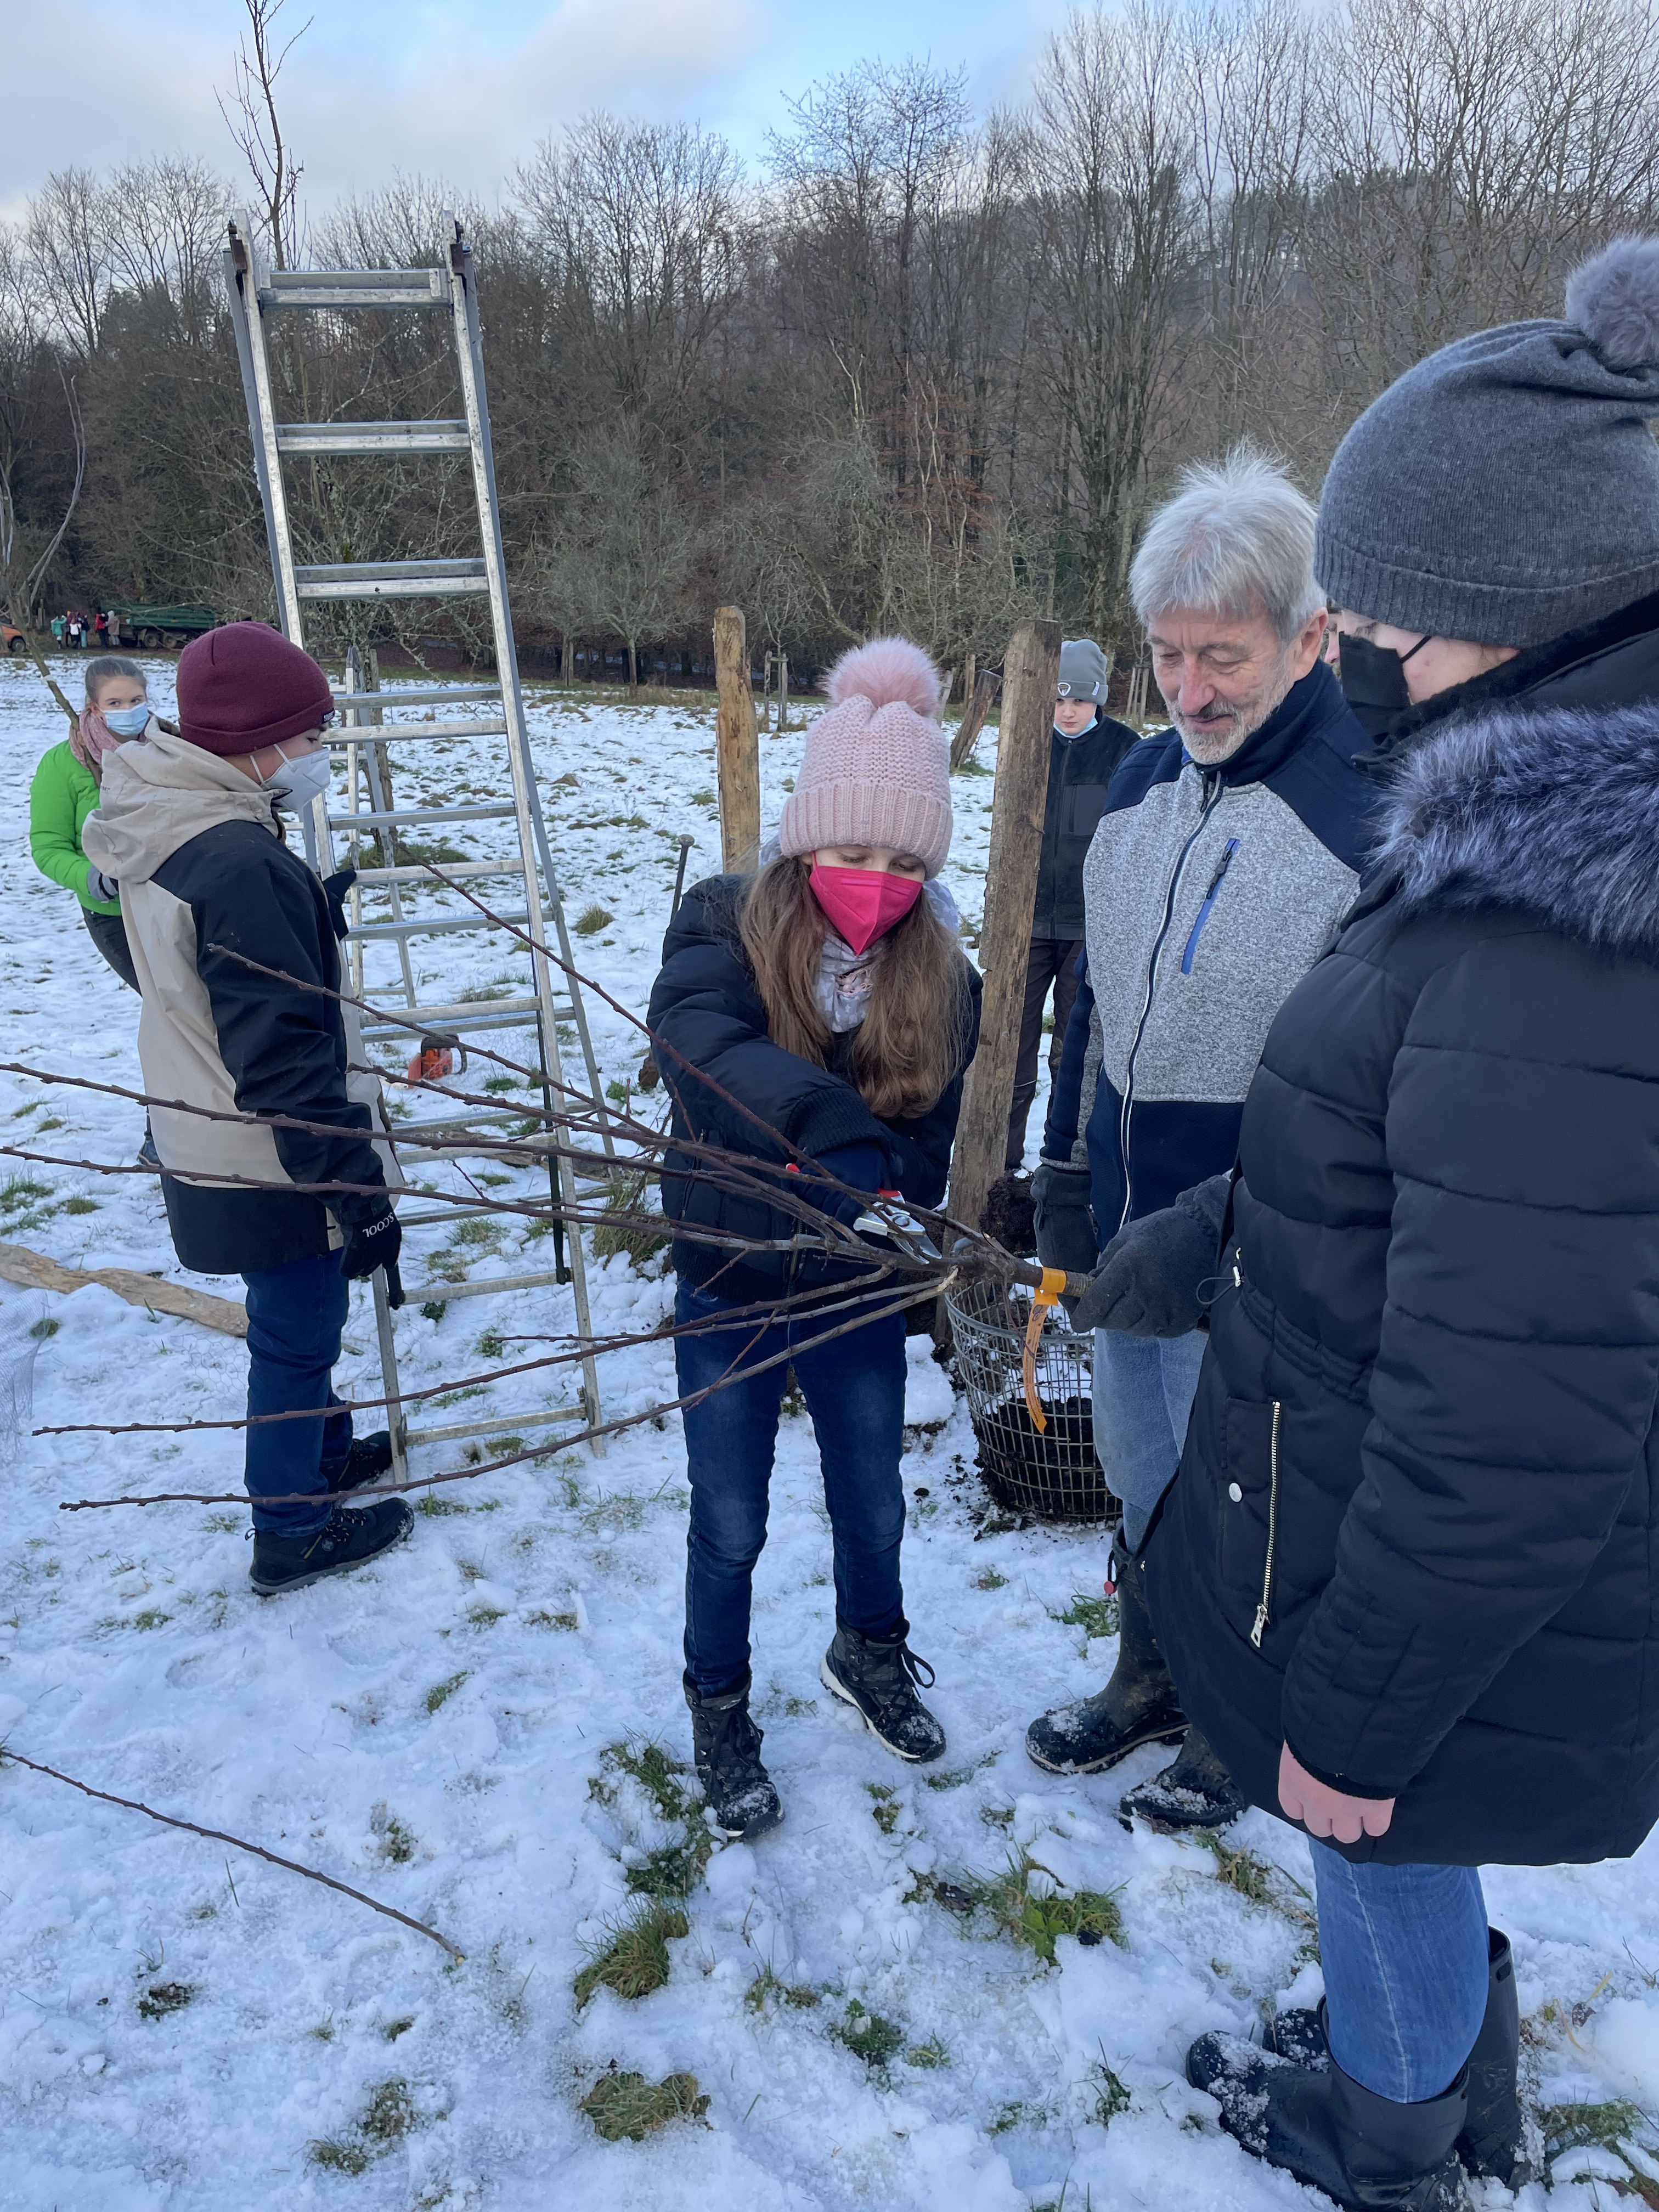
[
  {"x": 1084, "y": 670},
  {"x": 1506, "y": 489}
]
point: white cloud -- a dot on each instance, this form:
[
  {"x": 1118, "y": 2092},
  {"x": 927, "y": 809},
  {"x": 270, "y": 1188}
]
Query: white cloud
[{"x": 369, "y": 89}]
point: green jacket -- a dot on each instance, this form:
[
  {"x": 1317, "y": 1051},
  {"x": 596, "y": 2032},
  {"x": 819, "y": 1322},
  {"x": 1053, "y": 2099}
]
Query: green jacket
[{"x": 61, "y": 797}]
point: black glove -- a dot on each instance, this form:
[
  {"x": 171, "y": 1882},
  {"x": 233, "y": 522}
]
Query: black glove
[
  {"x": 1151, "y": 1276},
  {"x": 861, "y": 1164},
  {"x": 373, "y": 1239},
  {"x": 1064, "y": 1227}
]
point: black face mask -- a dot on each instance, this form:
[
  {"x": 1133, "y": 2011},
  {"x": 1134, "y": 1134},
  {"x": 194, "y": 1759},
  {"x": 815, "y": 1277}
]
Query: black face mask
[{"x": 1373, "y": 680}]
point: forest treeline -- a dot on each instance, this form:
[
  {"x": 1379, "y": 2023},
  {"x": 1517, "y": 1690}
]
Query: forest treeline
[{"x": 916, "y": 370}]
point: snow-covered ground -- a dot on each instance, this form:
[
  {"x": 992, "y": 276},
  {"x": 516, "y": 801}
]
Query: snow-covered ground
[{"x": 454, "y": 1732}]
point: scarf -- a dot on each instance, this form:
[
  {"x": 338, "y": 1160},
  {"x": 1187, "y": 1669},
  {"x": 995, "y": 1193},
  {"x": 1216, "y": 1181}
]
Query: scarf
[{"x": 90, "y": 740}]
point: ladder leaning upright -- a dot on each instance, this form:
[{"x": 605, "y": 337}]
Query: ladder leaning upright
[{"x": 365, "y": 736}]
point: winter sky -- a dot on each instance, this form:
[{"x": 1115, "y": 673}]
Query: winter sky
[{"x": 460, "y": 89}]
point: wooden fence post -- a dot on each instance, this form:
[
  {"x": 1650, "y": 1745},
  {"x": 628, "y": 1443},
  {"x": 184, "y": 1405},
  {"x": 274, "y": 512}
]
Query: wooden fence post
[
  {"x": 1031, "y": 672},
  {"x": 978, "y": 706},
  {"x": 737, "y": 746}
]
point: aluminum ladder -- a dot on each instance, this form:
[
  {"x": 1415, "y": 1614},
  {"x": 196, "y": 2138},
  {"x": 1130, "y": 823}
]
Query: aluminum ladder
[{"x": 364, "y": 735}]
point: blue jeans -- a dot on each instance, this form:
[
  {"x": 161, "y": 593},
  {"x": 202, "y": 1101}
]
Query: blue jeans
[
  {"x": 1404, "y": 1950},
  {"x": 854, "y": 1392},
  {"x": 1143, "y": 1391},
  {"x": 294, "y": 1317}
]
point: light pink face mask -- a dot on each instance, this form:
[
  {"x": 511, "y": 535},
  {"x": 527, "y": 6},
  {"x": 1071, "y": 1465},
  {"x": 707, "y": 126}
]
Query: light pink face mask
[{"x": 863, "y": 903}]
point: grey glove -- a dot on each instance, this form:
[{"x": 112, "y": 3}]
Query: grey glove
[
  {"x": 1152, "y": 1275},
  {"x": 101, "y": 887},
  {"x": 1064, "y": 1227}
]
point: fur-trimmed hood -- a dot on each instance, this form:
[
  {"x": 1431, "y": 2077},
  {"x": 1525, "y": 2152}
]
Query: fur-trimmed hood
[{"x": 1554, "y": 809}]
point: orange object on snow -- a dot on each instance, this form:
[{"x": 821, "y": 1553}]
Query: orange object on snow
[{"x": 432, "y": 1062}]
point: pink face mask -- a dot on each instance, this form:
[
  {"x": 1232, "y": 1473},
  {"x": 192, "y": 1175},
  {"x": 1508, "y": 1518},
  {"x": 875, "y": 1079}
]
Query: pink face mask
[{"x": 863, "y": 903}]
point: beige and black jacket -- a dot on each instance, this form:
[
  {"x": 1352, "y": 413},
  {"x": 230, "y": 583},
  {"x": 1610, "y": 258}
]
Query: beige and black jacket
[{"x": 204, "y": 877}]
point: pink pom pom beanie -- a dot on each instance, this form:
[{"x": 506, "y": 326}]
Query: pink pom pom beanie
[{"x": 877, "y": 769}]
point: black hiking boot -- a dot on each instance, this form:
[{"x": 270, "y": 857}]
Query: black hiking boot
[
  {"x": 726, "y": 1745},
  {"x": 1498, "y": 2139},
  {"x": 1194, "y": 1792},
  {"x": 345, "y": 1540},
  {"x": 878, "y": 1680},
  {"x": 1138, "y": 1705},
  {"x": 369, "y": 1458},
  {"x": 1368, "y": 2152}
]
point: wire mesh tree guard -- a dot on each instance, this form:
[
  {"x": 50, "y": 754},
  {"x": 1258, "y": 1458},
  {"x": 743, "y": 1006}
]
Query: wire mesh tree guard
[{"x": 1052, "y": 1472}]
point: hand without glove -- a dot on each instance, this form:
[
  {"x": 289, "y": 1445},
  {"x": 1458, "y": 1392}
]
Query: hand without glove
[
  {"x": 373, "y": 1239},
  {"x": 1147, "y": 1282},
  {"x": 1064, "y": 1227},
  {"x": 102, "y": 887}
]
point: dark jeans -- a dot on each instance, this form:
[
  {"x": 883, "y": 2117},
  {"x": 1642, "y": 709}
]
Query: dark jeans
[
  {"x": 108, "y": 932},
  {"x": 294, "y": 1317},
  {"x": 1048, "y": 961},
  {"x": 854, "y": 1392}
]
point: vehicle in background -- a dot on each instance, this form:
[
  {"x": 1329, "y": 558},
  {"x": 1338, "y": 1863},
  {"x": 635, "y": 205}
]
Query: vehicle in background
[
  {"x": 155, "y": 627},
  {"x": 13, "y": 640}
]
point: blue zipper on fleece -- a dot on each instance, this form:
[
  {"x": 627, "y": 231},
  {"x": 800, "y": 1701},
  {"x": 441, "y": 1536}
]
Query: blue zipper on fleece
[{"x": 1209, "y": 901}]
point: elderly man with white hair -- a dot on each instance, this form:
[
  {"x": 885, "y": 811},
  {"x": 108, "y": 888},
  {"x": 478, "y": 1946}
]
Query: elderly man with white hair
[{"x": 1229, "y": 851}]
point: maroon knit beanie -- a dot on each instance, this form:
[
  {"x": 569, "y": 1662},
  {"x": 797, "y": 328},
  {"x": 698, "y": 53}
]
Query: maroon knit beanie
[{"x": 245, "y": 687}]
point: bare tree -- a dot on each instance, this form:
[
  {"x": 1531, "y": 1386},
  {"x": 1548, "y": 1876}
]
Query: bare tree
[{"x": 254, "y": 122}]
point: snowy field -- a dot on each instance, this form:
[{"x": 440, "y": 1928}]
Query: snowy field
[{"x": 464, "y": 1732}]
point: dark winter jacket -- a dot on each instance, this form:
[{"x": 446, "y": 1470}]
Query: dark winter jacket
[
  {"x": 1081, "y": 769},
  {"x": 1210, "y": 892},
  {"x": 705, "y": 1009},
  {"x": 1415, "y": 1533},
  {"x": 203, "y": 877}
]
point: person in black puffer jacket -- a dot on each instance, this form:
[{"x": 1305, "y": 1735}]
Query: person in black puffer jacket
[
  {"x": 815, "y": 1020},
  {"x": 1407, "y": 1576}
]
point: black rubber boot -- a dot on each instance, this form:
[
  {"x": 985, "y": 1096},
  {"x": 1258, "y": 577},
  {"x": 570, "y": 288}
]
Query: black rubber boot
[
  {"x": 1138, "y": 1705},
  {"x": 877, "y": 1679},
  {"x": 1194, "y": 1792},
  {"x": 344, "y": 1540},
  {"x": 726, "y": 1745},
  {"x": 1498, "y": 2139},
  {"x": 369, "y": 1458},
  {"x": 1368, "y": 2152}
]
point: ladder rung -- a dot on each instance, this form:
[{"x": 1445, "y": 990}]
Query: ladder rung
[
  {"x": 381, "y": 734},
  {"x": 465, "y": 1014},
  {"x": 508, "y": 1424},
  {"x": 483, "y": 1290},
  {"x": 395, "y": 929},
  {"x": 436, "y": 695},
  {"x": 391, "y": 820},
  {"x": 391, "y": 580},
  {"x": 457, "y": 871},
  {"x": 354, "y": 287},
  {"x": 405, "y": 437}
]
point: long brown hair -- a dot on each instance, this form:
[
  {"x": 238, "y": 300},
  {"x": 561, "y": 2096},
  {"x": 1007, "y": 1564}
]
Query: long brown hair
[{"x": 913, "y": 1039}]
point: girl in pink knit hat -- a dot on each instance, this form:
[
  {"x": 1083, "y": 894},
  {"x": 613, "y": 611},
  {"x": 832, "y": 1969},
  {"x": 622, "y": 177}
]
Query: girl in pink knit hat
[{"x": 818, "y": 1016}]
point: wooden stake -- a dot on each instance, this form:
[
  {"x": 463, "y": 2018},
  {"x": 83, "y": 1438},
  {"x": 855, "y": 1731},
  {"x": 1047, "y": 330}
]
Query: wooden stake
[
  {"x": 986, "y": 686},
  {"x": 783, "y": 692},
  {"x": 1031, "y": 672},
  {"x": 737, "y": 746}
]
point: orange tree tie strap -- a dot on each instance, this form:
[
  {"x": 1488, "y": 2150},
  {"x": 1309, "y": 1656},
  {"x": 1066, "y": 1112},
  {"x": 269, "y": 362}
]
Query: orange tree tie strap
[{"x": 1046, "y": 1295}]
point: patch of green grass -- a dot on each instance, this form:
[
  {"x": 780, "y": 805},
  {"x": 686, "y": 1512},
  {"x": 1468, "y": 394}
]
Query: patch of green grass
[
  {"x": 698, "y": 798},
  {"x": 1007, "y": 2117},
  {"x": 397, "y": 1841},
  {"x": 45, "y": 1326},
  {"x": 1570, "y": 2127},
  {"x": 81, "y": 1206},
  {"x": 633, "y": 1961},
  {"x": 1095, "y": 1616},
  {"x": 19, "y": 1193},
  {"x": 497, "y": 1084},
  {"x": 1111, "y": 2098},
  {"x": 439, "y": 1508},
  {"x": 386, "y": 2120},
  {"x": 1091, "y": 1915},
  {"x": 627, "y": 2106},
  {"x": 928, "y": 2055},
  {"x": 486, "y": 1616},
  {"x": 151, "y": 1617},
  {"x": 162, "y": 1997},
  {"x": 1255, "y": 1880},
  {"x": 394, "y": 2028},
  {"x": 885, "y": 1807},
  {"x": 484, "y": 1236},
  {"x": 592, "y": 920},
  {"x": 440, "y": 1693},
  {"x": 867, "y": 2035},
  {"x": 433, "y": 1309},
  {"x": 624, "y": 1194},
  {"x": 492, "y": 1345},
  {"x": 767, "y": 1989},
  {"x": 988, "y": 1579}
]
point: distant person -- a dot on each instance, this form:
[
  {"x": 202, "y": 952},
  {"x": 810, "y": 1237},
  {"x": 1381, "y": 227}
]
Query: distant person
[
  {"x": 189, "y": 828},
  {"x": 826, "y": 998},
  {"x": 1084, "y": 750},
  {"x": 59, "y": 629},
  {"x": 100, "y": 624},
  {"x": 65, "y": 791}
]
